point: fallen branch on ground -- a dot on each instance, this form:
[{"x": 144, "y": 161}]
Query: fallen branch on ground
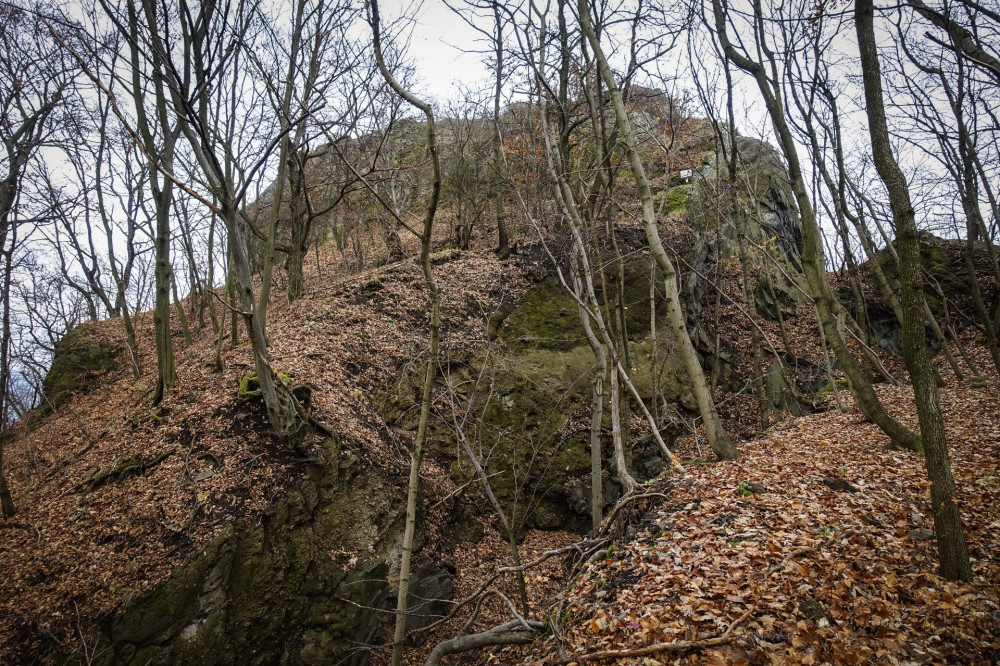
[
  {"x": 515, "y": 632},
  {"x": 628, "y": 499}
]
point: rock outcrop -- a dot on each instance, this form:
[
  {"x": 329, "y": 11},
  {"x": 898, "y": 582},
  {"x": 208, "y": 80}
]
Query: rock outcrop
[{"x": 308, "y": 585}]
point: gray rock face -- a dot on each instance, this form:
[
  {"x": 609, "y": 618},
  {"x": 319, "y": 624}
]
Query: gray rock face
[
  {"x": 771, "y": 227},
  {"x": 79, "y": 358},
  {"x": 308, "y": 586}
]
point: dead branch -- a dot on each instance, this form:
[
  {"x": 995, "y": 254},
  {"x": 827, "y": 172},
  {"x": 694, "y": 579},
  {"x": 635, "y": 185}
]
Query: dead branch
[
  {"x": 621, "y": 504},
  {"x": 515, "y": 632},
  {"x": 580, "y": 547}
]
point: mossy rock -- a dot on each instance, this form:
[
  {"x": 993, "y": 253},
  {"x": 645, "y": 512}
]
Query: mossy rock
[
  {"x": 79, "y": 360},
  {"x": 826, "y": 393},
  {"x": 249, "y": 387},
  {"x": 306, "y": 586},
  {"x": 547, "y": 318},
  {"x": 678, "y": 198},
  {"x": 537, "y": 379},
  {"x": 944, "y": 264}
]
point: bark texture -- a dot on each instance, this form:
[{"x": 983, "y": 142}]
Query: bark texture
[{"x": 952, "y": 551}]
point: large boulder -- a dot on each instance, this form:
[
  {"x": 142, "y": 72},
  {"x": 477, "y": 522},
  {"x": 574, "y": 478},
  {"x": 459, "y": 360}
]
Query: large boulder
[
  {"x": 946, "y": 283},
  {"x": 771, "y": 229},
  {"x": 81, "y": 357}
]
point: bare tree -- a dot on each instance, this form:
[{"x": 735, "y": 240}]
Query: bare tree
[
  {"x": 207, "y": 88},
  {"x": 434, "y": 297},
  {"x": 828, "y": 308},
  {"x": 35, "y": 77},
  {"x": 722, "y": 445},
  {"x": 952, "y": 551}
]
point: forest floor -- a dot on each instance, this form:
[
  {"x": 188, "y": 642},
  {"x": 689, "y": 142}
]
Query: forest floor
[
  {"x": 761, "y": 561},
  {"x": 760, "y": 552}
]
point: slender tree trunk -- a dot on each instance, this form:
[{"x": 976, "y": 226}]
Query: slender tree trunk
[
  {"x": 597, "y": 400},
  {"x": 505, "y": 523},
  {"x": 296, "y": 260},
  {"x": 181, "y": 315},
  {"x": 210, "y": 291},
  {"x": 7, "y": 508},
  {"x": 434, "y": 293},
  {"x": 130, "y": 341},
  {"x": 166, "y": 372},
  {"x": 829, "y": 372},
  {"x": 654, "y": 344},
  {"x": 284, "y": 155},
  {"x": 503, "y": 241},
  {"x": 722, "y": 445},
  {"x": 952, "y": 551},
  {"x": 621, "y": 462},
  {"x": 974, "y": 222},
  {"x": 281, "y": 409},
  {"x": 234, "y": 330}
]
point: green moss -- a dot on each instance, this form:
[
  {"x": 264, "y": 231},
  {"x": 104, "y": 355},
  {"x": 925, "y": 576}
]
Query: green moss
[
  {"x": 826, "y": 393},
  {"x": 546, "y": 319},
  {"x": 108, "y": 473},
  {"x": 78, "y": 359},
  {"x": 262, "y": 592},
  {"x": 935, "y": 260},
  {"x": 249, "y": 386},
  {"x": 678, "y": 198}
]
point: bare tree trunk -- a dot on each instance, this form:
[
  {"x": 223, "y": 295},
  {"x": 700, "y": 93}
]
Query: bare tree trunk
[
  {"x": 722, "y": 445},
  {"x": 284, "y": 155},
  {"x": 503, "y": 241},
  {"x": 160, "y": 157},
  {"x": 210, "y": 291},
  {"x": 130, "y": 342},
  {"x": 281, "y": 409},
  {"x": 7, "y": 508},
  {"x": 166, "y": 372},
  {"x": 953, "y": 554},
  {"x": 615, "y": 400},
  {"x": 597, "y": 400},
  {"x": 505, "y": 523},
  {"x": 181, "y": 315},
  {"x": 399, "y": 635}
]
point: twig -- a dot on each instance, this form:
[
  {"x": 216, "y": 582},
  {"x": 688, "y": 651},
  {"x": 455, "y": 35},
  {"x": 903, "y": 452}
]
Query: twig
[
  {"x": 230, "y": 307},
  {"x": 577, "y": 547},
  {"x": 21, "y": 526}
]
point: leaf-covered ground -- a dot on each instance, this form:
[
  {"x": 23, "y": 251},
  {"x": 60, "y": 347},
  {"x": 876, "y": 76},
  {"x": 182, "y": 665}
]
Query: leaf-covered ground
[
  {"x": 794, "y": 570},
  {"x": 766, "y": 557},
  {"x": 74, "y": 554}
]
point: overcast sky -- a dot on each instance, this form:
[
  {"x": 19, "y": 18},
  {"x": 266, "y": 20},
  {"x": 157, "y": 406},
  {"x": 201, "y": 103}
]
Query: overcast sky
[{"x": 441, "y": 46}]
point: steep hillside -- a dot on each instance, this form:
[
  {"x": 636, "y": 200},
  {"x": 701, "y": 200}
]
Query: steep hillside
[
  {"x": 816, "y": 547},
  {"x": 112, "y": 495},
  {"x": 187, "y": 534}
]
